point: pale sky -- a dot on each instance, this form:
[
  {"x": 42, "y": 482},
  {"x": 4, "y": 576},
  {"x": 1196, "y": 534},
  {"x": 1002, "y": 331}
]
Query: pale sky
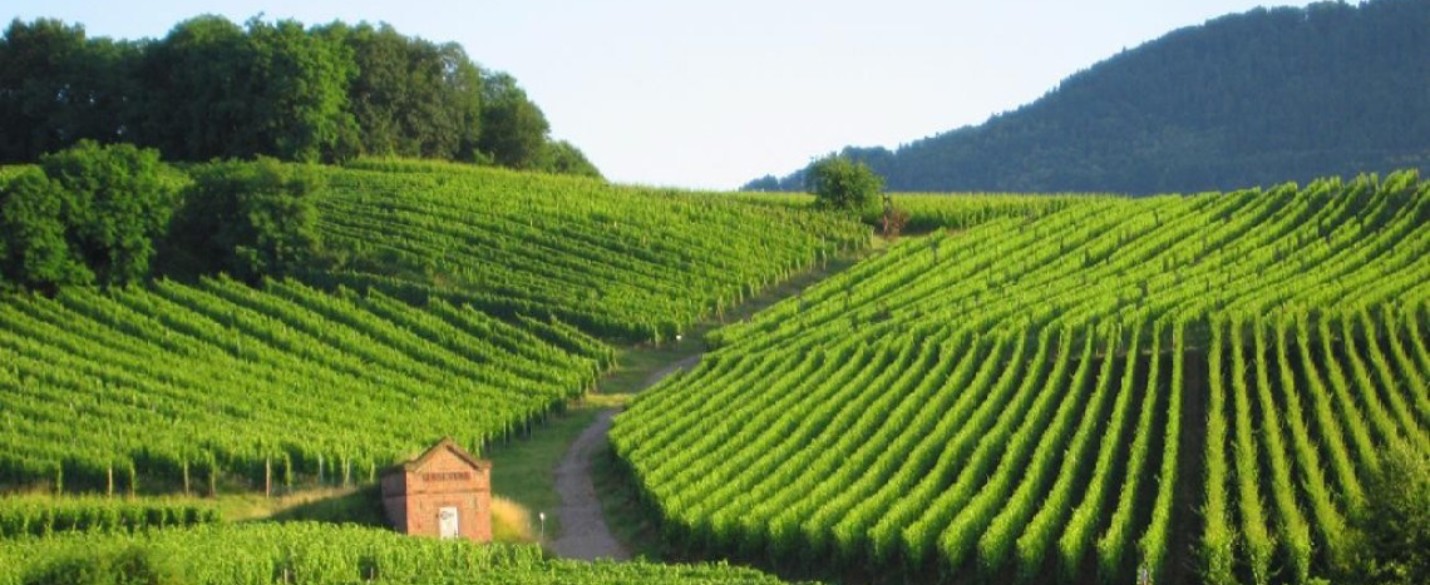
[{"x": 711, "y": 94}]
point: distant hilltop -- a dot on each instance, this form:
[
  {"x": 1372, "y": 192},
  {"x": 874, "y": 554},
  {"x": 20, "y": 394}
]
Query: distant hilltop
[{"x": 1248, "y": 99}]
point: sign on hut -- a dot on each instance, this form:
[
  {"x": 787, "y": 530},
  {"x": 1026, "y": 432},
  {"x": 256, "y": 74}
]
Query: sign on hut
[{"x": 444, "y": 492}]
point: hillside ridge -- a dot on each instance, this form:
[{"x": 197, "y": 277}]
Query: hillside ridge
[{"x": 1255, "y": 98}]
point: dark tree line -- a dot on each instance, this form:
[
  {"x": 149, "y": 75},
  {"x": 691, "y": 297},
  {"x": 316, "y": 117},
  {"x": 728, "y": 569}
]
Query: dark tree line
[
  {"x": 85, "y": 215},
  {"x": 1249, "y": 99},
  {"x": 115, "y": 214},
  {"x": 215, "y": 89}
]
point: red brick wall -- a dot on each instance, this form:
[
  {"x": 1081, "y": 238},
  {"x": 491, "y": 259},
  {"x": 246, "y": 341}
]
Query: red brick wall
[{"x": 444, "y": 479}]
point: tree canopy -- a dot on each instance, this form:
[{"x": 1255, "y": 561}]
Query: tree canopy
[
  {"x": 247, "y": 219},
  {"x": 1393, "y": 530},
  {"x": 85, "y": 215},
  {"x": 215, "y": 89},
  {"x": 841, "y": 183}
]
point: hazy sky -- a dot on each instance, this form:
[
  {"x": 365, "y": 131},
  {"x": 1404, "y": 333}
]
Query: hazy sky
[{"x": 712, "y": 94}]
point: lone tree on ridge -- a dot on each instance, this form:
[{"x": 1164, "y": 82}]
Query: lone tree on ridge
[{"x": 841, "y": 183}]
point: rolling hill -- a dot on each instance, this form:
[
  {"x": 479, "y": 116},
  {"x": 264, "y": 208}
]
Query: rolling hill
[
  {"x": 1200, "y": 387},
  {"x": 1247, "y": 99},
  {"x": 445, "y": 300},
  {"x": 631, "y": 263}
]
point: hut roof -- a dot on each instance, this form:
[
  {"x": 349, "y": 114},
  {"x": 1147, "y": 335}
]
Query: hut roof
[{"x": 445, "y": 444}]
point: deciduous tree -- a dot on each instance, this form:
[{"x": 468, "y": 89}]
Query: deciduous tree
[
  {"x": 89, "y": 214},
  {"x": 250, "y": 219},
  {"x": 514, "y": 129},
  {"x": 843, "y": 184}
]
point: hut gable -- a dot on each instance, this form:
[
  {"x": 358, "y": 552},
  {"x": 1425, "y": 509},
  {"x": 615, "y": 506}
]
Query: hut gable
[{"x": 444, "y": 492}]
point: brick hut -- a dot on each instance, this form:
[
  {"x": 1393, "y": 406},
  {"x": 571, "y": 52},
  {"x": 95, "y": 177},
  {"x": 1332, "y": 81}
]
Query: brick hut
[{"x": 444, "y": 492}]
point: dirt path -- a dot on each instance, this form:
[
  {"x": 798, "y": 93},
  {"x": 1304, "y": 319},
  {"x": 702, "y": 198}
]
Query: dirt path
[
  {"x": 682, "y": 364},
  {"x": 584, "y": 534}
]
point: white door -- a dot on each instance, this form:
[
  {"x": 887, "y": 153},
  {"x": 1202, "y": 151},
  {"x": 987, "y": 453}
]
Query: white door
[{"x": 447, "y": 522}]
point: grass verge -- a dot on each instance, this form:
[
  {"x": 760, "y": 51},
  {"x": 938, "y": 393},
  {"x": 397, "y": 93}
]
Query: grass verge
[
  {"x": 524, "y": 470},
  {"x": 631, "y": 521}
]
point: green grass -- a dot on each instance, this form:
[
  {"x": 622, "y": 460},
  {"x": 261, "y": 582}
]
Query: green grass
[
  {"x": 628, "y": 518},
  {"x": 360, "y": 504},
  {"x": 631, "y": 521},
  {"x": 524, "y": 471},
  {"x": 636, "y": 364}
]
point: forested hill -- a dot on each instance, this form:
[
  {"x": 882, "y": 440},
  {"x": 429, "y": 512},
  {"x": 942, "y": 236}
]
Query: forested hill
[
  {"x": 214, "y": 89},
  {"x": 1247, "y": 99}
]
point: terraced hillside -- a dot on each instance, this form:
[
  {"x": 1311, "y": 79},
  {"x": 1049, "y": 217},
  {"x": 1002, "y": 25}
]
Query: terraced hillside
[
  {"x": 175, "y": 383},
  {"x": 1164, "y": 384},
  {"x": 618, "y": 262},
  {"x": 482, "y": 291}
]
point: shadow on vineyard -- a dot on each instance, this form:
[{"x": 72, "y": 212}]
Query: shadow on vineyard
[{"x": 361, "y": 506}]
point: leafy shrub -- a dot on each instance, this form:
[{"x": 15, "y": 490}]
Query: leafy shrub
[
  {"x": 88, "y": 214},
  {"x": 132, "y": 565},
  {"x": 844, "y": 184},
  {"x": 249, "y": 219},
  {"x": 1394, "y": 526},
  {"x": 33, "y": 250}
]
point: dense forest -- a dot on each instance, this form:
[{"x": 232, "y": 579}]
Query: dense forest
[
  {"x": 1246, "y": 99},
  {"x": 214, "y": 89}
]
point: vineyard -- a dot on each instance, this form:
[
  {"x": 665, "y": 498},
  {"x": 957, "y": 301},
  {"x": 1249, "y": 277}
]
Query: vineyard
[
  {"x": 1040, "y": 388},
  {"x": 617, "y": 262},
  {"x": 228, "y": 306},
  {"x": 317, "y": 554},
  {"x": 483, "y": 296},
  {"x": 1177, "y": 385},
  {"x": 178, "y": 384},
  {"x": 952, "y": 211},
  {"x": 46, "y": 516}
]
